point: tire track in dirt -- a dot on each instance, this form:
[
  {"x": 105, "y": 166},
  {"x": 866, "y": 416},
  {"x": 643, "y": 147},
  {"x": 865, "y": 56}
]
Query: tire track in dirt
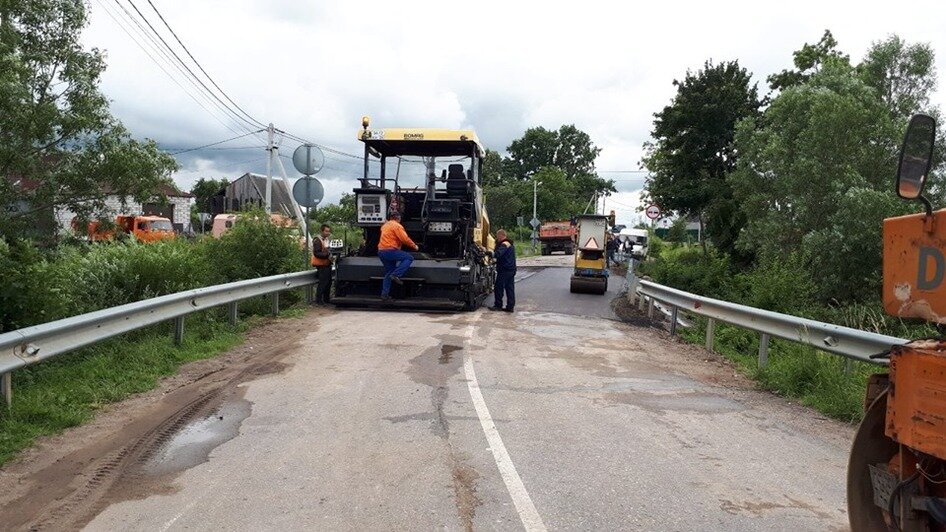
[{"x": 68, "y": 491}]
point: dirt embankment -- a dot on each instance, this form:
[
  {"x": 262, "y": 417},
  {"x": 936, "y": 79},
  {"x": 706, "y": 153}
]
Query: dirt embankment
[{"x": 65, "y": 481}]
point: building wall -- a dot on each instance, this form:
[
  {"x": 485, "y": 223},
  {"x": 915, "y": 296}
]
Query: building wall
[{"x": 113, "y": 204}]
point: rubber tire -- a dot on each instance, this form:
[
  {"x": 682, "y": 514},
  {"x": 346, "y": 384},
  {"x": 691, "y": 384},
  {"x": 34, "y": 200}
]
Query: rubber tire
[{"x": 871, "y": 446}]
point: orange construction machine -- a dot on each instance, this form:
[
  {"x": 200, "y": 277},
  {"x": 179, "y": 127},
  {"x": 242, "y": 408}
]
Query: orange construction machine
[
  {"x": 145, "y": 228},
  {"x": 897, "y": 468},
  {"x": 557, "y": 236}
]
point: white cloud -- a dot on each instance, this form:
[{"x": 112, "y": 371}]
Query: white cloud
[{"x": 314, "y": 68}]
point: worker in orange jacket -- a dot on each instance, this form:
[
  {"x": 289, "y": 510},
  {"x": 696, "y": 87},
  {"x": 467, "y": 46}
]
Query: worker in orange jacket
[
  {"x": 395, "y": 260},
  {"x": 322, "y": 261}
]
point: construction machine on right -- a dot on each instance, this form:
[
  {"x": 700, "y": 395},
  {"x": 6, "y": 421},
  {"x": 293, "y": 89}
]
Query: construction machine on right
[{"x": 897, "y": 467}]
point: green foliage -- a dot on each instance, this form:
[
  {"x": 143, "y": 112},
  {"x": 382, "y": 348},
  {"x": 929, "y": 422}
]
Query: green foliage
[
  {"x": 904, "y": 75},
  {"x": 204, "y": 189},
  {"x": 777, "y": 284},
  {"x": 29, "y": 294},
  {"x": 808, "y": 61},
  {"x": 111, "y": 275},
  {"x": 253, "y": 248},
  {"x": 693, "y": 148},
  {"x": 503, "y": 203},
  {"x": 66, "y": 391},
  {"x": 342, "y": 212},
  {"x": 493, "y": 169},
  {"x": 678, "y": 231},
  {"x": 844, "y": 256},
  {"x": 689, "y": 269},
  {"x": 57, "y": 137}
]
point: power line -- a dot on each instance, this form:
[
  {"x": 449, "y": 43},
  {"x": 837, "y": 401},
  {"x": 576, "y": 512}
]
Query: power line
[
  {"x": 189, "y": 54},
  {"x": 216, "y": 143},
  {"x": 124, "y": 27},
  {"x": 191, "y": 72}
]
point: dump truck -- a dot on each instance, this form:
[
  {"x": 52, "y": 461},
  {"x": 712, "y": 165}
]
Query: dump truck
[
  {"x": 445, "y": 216},
  {"x": 557, "y": 236},
  {"x": 144, "y": 228},
  {"x": 897, "y": 467},
  {"x": 591, "y": 261}
]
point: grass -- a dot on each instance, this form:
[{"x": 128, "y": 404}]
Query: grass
[
  {"x": 815, "y": 378},
  {"x": 67, "y": 391}
]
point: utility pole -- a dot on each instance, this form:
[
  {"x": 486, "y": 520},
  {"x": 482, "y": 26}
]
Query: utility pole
[
  {"x": 271, "y": 148},
  {"x": 535, "y": 202},
  {"x": 535, "y": 190}
]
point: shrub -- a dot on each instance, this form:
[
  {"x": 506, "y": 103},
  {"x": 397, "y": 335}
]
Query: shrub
[
  {"x": 689, "y": 269},
  {"x": 28, "y": 292},
  {"x": 114, "y": 274},
  {"x": 777, "y": 285},
  {"x": 254, "y": 247}
]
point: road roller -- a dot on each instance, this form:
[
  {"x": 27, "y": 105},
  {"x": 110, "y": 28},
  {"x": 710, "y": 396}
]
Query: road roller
[
  {"x": 897, "y": 468},
  {"x": 591, "y": 267}
]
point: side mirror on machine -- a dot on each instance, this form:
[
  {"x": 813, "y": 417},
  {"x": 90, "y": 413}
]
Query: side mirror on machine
[{"x": 916, "y": 158}]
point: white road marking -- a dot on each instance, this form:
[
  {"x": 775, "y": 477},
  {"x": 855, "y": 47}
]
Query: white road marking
[{"x": 520, "y": 497}]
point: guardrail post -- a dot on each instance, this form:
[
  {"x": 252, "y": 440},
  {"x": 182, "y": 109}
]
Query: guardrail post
[
  {"x": 232, "y": 312},
  {"x": 641, "y": 301},
  {"x": 764, "y": 350},
  {"x": 650, "y": 309},
  {"x": 710, "y": 333},
  {"x": 309, "y": 294},
  {"x": 275, "y": 298},
  {"x": 178, "y": 330},
  {"x": 6, "y": 388},
  {"x": 848, "y": 367},
  {"x": 673, "y": 321}
]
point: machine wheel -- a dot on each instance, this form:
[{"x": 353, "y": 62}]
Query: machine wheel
[{"x": 871, "y": 446}]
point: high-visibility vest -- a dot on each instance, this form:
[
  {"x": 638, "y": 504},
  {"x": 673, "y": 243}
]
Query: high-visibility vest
[{"x": 316, "y": 261}]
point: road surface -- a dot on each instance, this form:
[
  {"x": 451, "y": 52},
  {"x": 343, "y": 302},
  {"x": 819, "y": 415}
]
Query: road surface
[{"x": 555, "y": 417}]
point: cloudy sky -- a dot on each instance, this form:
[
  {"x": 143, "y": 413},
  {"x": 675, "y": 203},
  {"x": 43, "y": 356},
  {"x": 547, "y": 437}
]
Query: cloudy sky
[{"x": 314, "y": 68}]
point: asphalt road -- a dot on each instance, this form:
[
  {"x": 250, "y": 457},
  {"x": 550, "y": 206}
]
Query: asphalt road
[{"x": 550, "y": 418}]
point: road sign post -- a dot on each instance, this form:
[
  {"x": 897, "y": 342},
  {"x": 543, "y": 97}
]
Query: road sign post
[{"x": 308, "y": 191}]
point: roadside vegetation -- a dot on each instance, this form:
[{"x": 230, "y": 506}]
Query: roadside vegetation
[
  {"x": 36, "y": 287},
  {"x": 791, "y": 188}
]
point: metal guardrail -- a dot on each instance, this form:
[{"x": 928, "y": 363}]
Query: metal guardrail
[
  {"x": 30, "y": 345},
  {"x": 854, "y": 344}
]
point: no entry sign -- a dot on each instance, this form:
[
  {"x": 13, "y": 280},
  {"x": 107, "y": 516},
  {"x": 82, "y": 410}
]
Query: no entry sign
[{"x": 652, "y": 212}]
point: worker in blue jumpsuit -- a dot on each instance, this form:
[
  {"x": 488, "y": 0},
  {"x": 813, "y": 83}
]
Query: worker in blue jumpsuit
[{"x": 505, "y": 255}]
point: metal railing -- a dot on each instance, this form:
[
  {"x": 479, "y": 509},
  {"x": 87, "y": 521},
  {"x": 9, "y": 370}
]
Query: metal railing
[
  {"x": 30, "y": 345},
  {"x": 854, "y": 344}
]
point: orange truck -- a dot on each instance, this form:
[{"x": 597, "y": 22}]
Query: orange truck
[
  {"x": 557, "y": 236},
  {"x": 144, "y": 228}
]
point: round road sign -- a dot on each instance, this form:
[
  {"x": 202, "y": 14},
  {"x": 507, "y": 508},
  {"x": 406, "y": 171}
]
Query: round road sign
[
  {"x": 308, "y": 159},
  {"x": 652, "y": 212},
  {"x": 307, "y": 191}
]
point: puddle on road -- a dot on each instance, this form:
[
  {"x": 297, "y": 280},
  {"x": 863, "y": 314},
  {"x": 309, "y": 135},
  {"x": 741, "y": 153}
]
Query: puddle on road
[
  {"x": 446, "y": 353},
  {"x": 192, "y": 444}
]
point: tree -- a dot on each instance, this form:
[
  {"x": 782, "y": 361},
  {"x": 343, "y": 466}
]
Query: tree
[
  {"x": 569, "y": 149},
  {"x": 342, "y": 212},
  {"x": 493, "y": 170},
  {"x": 904, "y": 75},
  {"x": 678, "y": 231},
  {"x": 59, "y": 145},
  {"x": 503, "y": 205},
  {"x": 556, "y": 199},
  {"x": 808, "y": 61},
  {"x": 204, "y": 189},
  {"x": 693, "y": 151}
]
